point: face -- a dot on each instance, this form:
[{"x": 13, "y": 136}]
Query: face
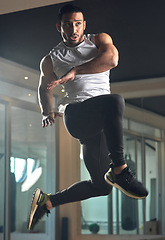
[{"x": 72, "y": 28}]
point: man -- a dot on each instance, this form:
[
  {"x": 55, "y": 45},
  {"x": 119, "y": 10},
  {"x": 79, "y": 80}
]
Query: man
[{"x": 81, "y": 63}]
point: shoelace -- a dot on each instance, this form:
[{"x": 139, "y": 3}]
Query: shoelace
[
  {"x": 43, "y": 210},
  {"x": 128, "y": 174},
  {"x": 41, "y": 199}
]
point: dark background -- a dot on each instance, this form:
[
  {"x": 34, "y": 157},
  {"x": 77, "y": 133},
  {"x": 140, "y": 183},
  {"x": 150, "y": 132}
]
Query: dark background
[{"x": 137, "y": 28}]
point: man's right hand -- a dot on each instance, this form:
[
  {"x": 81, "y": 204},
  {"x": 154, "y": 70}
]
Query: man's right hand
[
  {"x": 50, "y": 119},
  {"x": 66, "y": 78}
]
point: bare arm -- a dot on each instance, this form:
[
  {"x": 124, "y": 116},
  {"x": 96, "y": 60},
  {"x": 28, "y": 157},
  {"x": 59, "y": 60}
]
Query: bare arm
[
  {"x": 45, "y": 95},
  {"x": 106, "y": 59}
]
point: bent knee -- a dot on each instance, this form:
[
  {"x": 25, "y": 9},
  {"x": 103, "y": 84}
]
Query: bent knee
[
  {"x": 119, "y": 100},
  {"x": 118, "y": 103}
]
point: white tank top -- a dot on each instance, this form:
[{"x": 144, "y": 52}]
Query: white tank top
[{"x": 84, "y": 86}]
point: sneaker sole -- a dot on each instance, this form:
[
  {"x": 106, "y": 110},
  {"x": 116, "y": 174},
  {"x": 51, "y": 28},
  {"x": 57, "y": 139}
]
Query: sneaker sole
[
  {"x": 121, "y": 189},
  {"x": 34, "y": 206}
]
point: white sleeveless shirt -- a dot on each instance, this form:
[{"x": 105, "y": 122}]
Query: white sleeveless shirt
[{"x": 84, "y": 86}]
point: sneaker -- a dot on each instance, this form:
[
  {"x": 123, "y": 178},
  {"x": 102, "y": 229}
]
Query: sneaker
[
  {"x": 38, "y": 208},
  {"x": 127, "y": 183}
]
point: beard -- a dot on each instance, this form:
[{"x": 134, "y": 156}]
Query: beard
[{"x": 71, "y": 42}]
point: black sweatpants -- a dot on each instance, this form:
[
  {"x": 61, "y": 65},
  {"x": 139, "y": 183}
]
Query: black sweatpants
[{"x": 97, "y": 123}]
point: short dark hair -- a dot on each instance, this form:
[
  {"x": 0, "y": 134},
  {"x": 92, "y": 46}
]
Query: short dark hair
[{"x": 68, "y": 8}]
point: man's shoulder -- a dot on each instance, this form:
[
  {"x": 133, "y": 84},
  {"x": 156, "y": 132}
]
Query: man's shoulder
[
  {"x": 90, "y": 36},
  {"x": 57, "y": 47},
  {"x": 94, "y": 37}
]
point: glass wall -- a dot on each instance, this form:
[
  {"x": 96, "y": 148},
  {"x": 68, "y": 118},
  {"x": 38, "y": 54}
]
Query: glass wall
[
  {"x": 117, "y": 213},
  {"x": 152, "y": 182},
  {"x": 32, "y": 164},
  {"x": 2, "y": 168},
  {"x": 29, "y": 169}
]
